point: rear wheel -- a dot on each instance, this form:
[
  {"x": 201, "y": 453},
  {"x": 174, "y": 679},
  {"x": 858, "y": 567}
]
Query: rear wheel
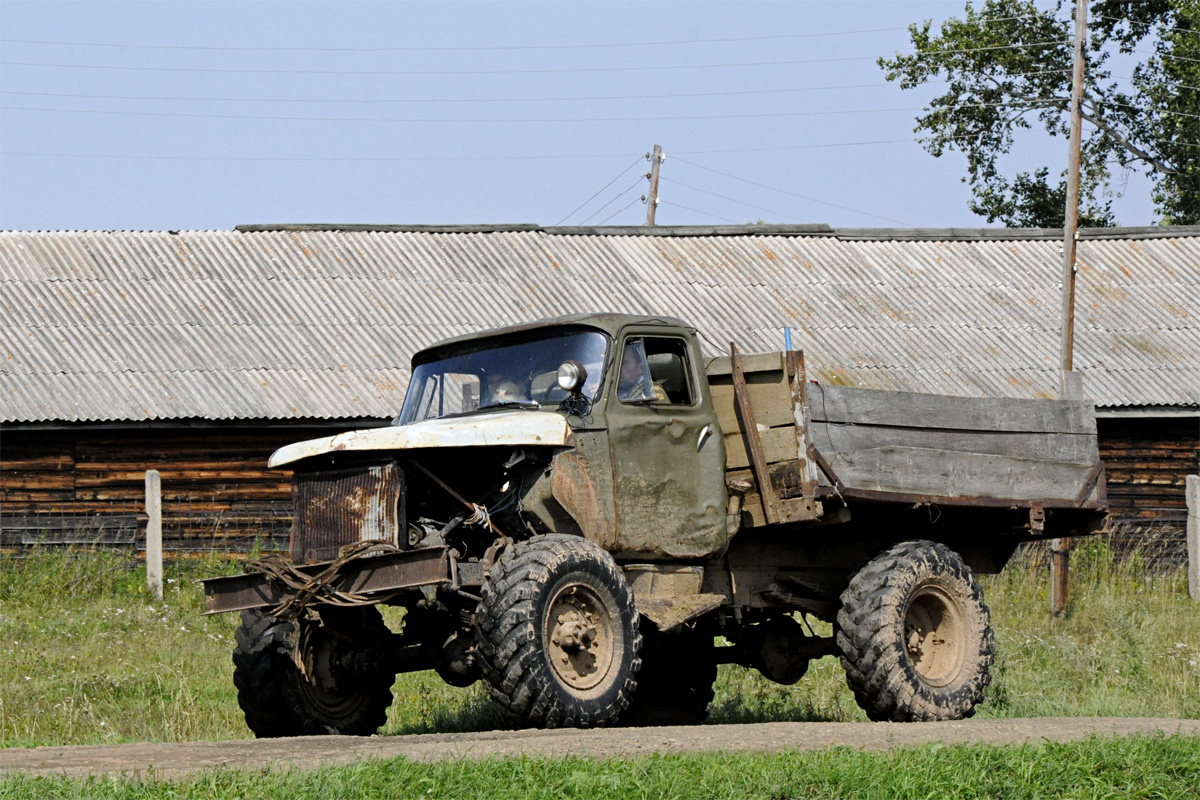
[
  {"x": 558, "y": 634},
  {"x": 312, "y": 675},
  {"x": 915, "y": 635}
]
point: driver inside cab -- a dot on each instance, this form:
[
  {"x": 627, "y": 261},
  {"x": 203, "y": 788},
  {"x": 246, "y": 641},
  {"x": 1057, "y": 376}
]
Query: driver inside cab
[{"x": 635, "y": 384}]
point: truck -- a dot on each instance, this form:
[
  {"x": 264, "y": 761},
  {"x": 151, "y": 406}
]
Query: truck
[{"x": 589, "y": 515}]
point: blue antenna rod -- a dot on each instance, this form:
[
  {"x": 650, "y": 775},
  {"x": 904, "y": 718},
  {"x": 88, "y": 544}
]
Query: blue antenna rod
[{"x": 787, "y": 338}]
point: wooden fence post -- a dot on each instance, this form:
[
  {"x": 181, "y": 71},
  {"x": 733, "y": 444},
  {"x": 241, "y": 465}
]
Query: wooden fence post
[
  {"x": 154, "y": 562},
  {"x": 1193, "y": 535}
]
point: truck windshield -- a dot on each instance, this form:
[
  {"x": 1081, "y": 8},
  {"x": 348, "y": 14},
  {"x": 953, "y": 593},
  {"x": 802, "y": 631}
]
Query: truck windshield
[{"x": 523, "y": 373}]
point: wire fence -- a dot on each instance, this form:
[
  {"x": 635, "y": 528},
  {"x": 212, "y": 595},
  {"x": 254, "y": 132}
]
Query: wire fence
[{"x": 1159, "y": 545}]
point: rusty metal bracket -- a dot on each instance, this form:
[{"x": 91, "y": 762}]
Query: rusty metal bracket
[
  {"x": 368, "y": 578},
  {"x": 1089, "y": 483},
  {"x": 838, "y": 486},
  {"x": 772, "y": 507},
  {"x": 798, "y": 381},
  {"x": 1037, "y": 519}
]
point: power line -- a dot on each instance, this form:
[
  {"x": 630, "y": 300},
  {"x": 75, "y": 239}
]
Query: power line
[
  {"x": 541, "y": 71},
  {"x": 610, "y": 216},
  {"x": 614, "y": 199},
  {"x": 698, "y": 211},
  {"x": 451, "y": 49},
  {"x": 415, "y": 158},
  {"x": 498, "y": 120},
  {"x": 792, "y": 194},
  {"x": 603, "y": 188},
  {"x": 309, "y": 159},
  {"x": 730, "y": 199},
  {"x": 681, "y": 95},
  {"x": 444, "y": 100},
  {"x": 1167, "y": 55},
  {"x": 1147, "y": 27},
  {"x": 1155, "y": 110},
  {"x": 460, "y": 48},
  {"x": 492, "y": 120}
]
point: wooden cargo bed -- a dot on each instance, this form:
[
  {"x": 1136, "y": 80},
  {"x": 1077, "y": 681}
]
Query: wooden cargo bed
[{"x": 819, "y": 441}]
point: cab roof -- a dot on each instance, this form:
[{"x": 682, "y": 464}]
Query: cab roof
[{"x": 609, "y": 323}]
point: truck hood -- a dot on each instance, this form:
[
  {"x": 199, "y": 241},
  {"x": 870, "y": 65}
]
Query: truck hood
[{"x": 499, "y": 428}]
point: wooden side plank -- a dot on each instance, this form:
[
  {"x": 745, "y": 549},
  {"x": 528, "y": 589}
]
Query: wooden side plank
[
  {"x": 751, "y": 362},
  {"x": 1061, "y": 447},
  {"x": 769, "y": 395},
  {"x": 914, "y": 470},
  {"x": 779, "y": 444},
  {"x": 912, "y": 410}
]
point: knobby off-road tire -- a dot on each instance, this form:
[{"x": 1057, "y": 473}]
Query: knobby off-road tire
[
  {"x": 292, "y": 680},
  {"x": 557, "y": 632},
  {"x": 675, "y": 685},
  {"x": 915, "y": 635}
]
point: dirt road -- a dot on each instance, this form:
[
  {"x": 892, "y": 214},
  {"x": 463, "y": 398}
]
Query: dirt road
[{"x": 173, "y": 760}]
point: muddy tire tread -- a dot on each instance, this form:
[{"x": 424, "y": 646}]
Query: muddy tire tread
[
  {"x": 515, "y": 668},
  {"x": 878, "y": 671},
  {"x": 267, "y": 680}
]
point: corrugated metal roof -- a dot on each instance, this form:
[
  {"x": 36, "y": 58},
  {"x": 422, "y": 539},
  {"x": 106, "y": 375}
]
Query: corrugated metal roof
[{"x": 320, "y": 322}]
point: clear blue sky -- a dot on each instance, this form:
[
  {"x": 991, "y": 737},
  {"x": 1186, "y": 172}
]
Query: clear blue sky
[{"x": 455, "y": 113}]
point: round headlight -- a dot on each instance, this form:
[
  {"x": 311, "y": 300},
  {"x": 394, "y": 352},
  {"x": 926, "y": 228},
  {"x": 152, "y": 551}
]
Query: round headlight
[{"x": 571, "y": 375}]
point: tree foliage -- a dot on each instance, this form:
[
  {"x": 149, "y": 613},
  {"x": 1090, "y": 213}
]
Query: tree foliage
[{"x": 1007, "y": 69}]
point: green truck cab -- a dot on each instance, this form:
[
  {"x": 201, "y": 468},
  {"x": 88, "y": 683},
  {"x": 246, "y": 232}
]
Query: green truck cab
[{"x": 574, "y": 510}]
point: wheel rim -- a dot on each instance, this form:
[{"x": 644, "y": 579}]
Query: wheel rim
[
  {"x": 579, "y": 636},
  {"x": 322, "y": 683},
  {"x": 935, "y": 636}
]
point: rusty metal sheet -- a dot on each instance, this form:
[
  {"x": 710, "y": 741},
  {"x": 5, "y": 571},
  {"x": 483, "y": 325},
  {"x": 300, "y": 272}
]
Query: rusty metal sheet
[
  {"x": 386, "y": 573},
  {"x": 582, "y": 484},
  {"x": 337, "y": 507}
]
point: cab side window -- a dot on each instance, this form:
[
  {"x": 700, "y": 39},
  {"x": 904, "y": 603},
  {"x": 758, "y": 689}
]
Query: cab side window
[{"x": 654, "y": 370}]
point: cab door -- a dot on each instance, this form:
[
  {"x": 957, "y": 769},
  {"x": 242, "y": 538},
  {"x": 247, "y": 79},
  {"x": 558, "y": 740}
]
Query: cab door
[{"x": 668, "y": 453}]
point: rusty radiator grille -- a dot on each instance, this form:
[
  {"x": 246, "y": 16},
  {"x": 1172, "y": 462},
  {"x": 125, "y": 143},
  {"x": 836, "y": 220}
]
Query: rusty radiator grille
[{"x": 338, "y": 507}]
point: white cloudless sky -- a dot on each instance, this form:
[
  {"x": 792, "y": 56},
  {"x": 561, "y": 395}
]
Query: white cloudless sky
[{"x": 205, "y": 115}]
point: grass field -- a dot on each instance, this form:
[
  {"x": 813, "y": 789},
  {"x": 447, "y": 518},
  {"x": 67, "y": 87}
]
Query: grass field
[
  {"x": 87, "y": 657},
  {"x": 1164, "y": 768}
]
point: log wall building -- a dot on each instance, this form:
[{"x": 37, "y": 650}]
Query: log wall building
[
  {"x": 200, "y": 353},
  {"x": 86, "y": 484}
]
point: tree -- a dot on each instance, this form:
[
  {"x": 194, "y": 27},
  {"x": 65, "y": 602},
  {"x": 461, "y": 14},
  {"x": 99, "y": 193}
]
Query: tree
[{"x": 1007, "y": 68}]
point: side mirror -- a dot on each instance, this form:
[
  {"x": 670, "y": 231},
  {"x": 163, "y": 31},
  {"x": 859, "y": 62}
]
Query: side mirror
[{"x": 571, "y": 376}]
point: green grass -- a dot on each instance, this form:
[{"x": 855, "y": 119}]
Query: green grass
[
  {"x": 1158, "y": 767},
  {"x": 87, "y": 657}
]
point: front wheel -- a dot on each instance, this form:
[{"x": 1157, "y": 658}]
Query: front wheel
[
  {"x": 310, "y": 676},
  {"x": 557, "y": 633},
  {"x": 915, "y": 635}
]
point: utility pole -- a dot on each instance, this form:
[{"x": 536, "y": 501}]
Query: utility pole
[
  {"x": 1070, "y": 387},
  {"x": 652, "y": 201}
]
